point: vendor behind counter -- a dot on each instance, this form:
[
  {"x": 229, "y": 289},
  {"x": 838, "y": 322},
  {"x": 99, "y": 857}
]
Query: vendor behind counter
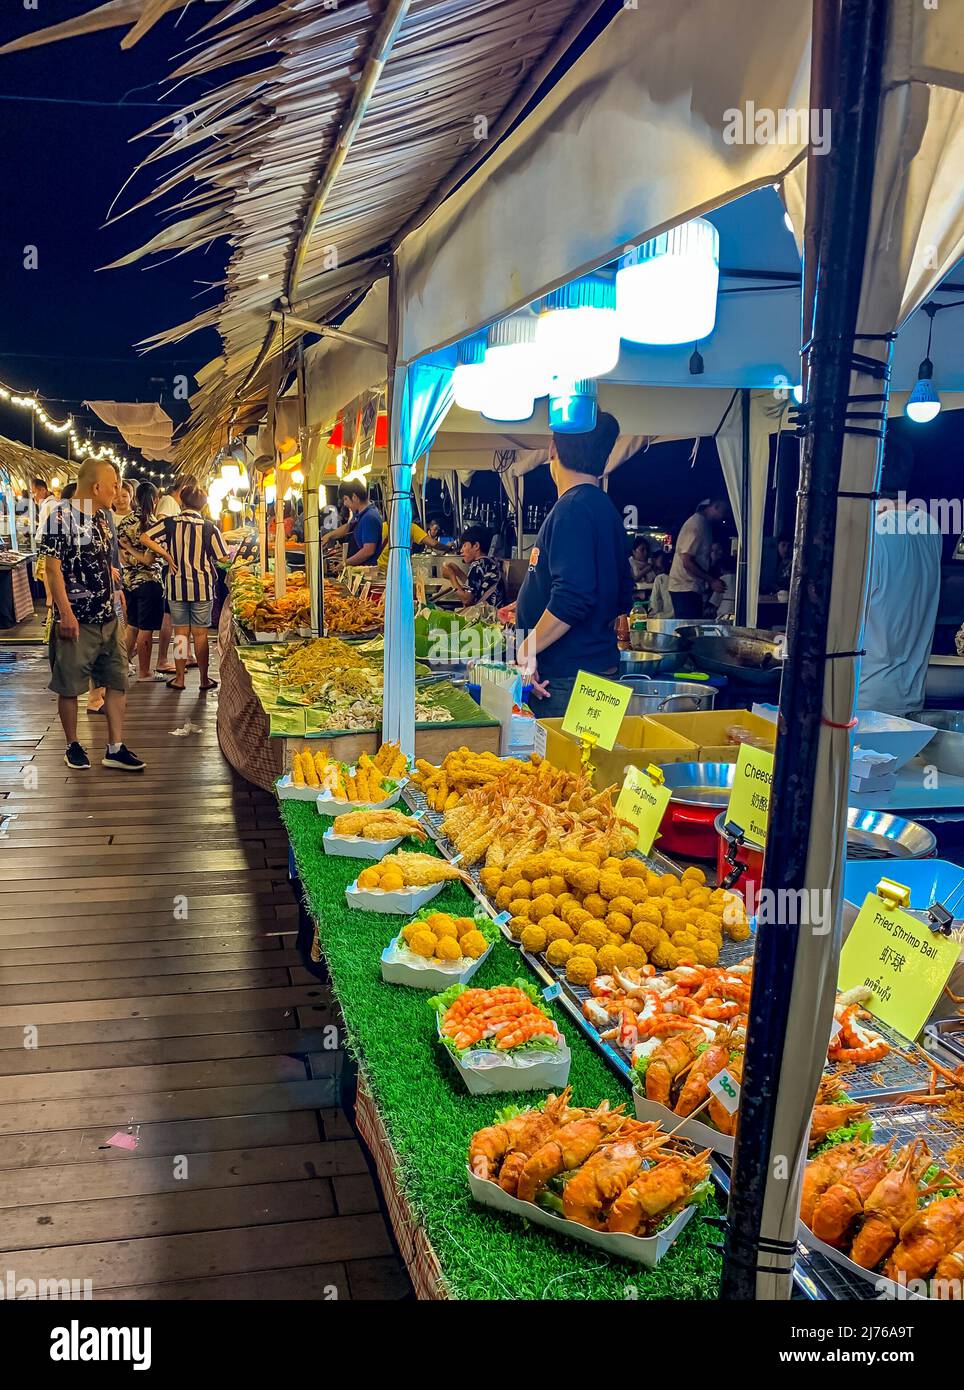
[{"x": 579, "y": 579}]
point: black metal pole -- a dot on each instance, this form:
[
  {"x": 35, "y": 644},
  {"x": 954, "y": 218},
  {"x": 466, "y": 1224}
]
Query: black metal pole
[
  {"x": 842, "y": 180},
  {"x": 741, "y": 560}
]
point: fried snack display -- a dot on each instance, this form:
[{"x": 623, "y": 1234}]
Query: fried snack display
[
  {"x": 254, "y": 604},
  {"x": 327, "y": 668},
  {"x": 407, "y": 869},
  {"x": 348, "y": 615},
  {"x": 462, "y": 771},
  {"x": 595, "y": 1167},
  {"x": 364, "y": 783},
  {"x": 387, "y": 824},
  {"x": 590, "y": 915},
  {"x": 441, "y": 939}
]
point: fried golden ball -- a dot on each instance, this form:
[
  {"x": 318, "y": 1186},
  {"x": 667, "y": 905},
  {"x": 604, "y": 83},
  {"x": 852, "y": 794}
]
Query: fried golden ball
[
  {"x": 449, "y": 948},
  {"x": 503, "y": 897},
  {"x": 634, "y": 955},
  {"x": 707, "y": 952},
  {"x": 619, "y": 922},
  {"x": 673, "y": 922},
  {"x": 595, "y": 905},
  {"x": 693, "y": 874},
  {"x": 541, "y": 907},
  {"x": 491, "y": 880},
  {"x": 534, "y": 940},
  {"x": 423, "y": 943},
  {"x": 580, "y": 970},
  {"x": 583, "y": 948},
  {"x": 610, "y": 885},
  {"x": 519, "y": 907},
  {"x": 594, "y": 933},
  {"x": 622, "y": 903},
  {"x": 635, "y": 869},
  {"x": 646, "y": 935},
  {"x": 556, "y": 929},
  {"x": 611, "y": 958},
  {"x": 522, "y": 888},
  {"x": 473, "y": 945},
  {"x": 647, "y": 912},
  {"x": 558, "y": 951},
  {"x": 517, "y": 926},
  {"x": 557, "y": 885}
]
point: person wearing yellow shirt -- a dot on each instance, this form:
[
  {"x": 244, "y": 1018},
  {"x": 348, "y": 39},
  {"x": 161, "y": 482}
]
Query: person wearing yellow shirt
[{"x": 418, "y": 537}]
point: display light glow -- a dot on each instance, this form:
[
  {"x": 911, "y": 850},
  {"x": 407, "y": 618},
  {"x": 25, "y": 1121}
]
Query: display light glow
[
  {"x": 515, "y": 368},
  {"x": 577, "y": 331},
  {"x": 923, "y": 403},
  {"x": 470, "y": 379},
  {"x": 666, "y": 289}
]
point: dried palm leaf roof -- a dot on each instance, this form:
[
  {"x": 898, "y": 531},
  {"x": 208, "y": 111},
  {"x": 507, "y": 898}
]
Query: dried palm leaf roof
[
  {"x": 21, "y": 461},
  {"x": 332, "y": 132}
]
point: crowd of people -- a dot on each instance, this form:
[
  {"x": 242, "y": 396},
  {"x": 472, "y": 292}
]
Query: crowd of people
[{"x": 122, "y": 564}]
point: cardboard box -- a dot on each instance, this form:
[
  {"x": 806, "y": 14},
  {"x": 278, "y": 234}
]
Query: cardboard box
[
  {"x": 641, "y": 741},
  {"x": 707, "y": 729}
]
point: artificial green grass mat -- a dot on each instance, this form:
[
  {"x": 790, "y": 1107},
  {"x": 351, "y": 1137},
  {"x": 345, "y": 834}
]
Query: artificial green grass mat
[{"x": 429, "y": 1118}]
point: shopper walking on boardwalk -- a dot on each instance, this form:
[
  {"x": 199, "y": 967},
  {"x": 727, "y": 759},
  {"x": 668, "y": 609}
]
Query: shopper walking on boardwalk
[
  {"x": 85, "y": 640},
  {"x": 143, "y": 579},
  {"x": 191, "y": 546}
]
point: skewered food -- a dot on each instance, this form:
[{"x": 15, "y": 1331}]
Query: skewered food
[{"x": 506, "y": 1017}]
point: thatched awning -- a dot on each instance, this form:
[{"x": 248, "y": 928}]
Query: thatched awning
[
  {"x": 22, "y": 462},
  {"x": 331, "y": 133}
]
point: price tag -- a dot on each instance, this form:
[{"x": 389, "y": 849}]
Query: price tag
[
  {"x": 502, "y": 919},
  {"x": 642, "y": 802},
  {"x": 539, "y": 737},
  {"x": 552, "y": 991},
  {"x": 596, "y": 709},
  {"x": 726, "y": 1088},
  {"x": 900, "y": 960},
  {"x": 749, "y": 804}
]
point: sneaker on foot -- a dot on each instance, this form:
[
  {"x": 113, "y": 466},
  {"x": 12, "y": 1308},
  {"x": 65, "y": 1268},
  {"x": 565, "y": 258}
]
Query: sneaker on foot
[
  {"x": 123, "y": 759},
  {"x": 76, "y": 757}
]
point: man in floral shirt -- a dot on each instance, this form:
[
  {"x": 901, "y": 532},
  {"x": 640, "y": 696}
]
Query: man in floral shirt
[
  {"x": 483, "y": 581},
  {"x": 85, "y": 640}
]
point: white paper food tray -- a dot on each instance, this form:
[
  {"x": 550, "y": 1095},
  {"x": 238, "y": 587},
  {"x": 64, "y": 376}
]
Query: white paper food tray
[
  {"x": 405, "y": 968},
  {"x": 643, "y": 1250},
  {"x": 356, "y": 846},
  {"x": 485, "y": 1070},
  {"x": 886, "y": 1288},
  {"x": 287, "y": 790},
  {"x": 707, "y": 1136},
  {"x": 269, "y": 636},
  {"x": 328, "y": 806},
  {"x": 403, "y": 902}
]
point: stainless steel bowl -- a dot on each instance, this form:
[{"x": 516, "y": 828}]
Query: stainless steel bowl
[
  {"x": 699, "y": 784},
  {"x": 945, "y": 750},
  {"x": 748, "y": 659},
  {"x": 878, "y": 835},
  {"x": 668, "y": 697},
  {"x": 663, "y": 642}
]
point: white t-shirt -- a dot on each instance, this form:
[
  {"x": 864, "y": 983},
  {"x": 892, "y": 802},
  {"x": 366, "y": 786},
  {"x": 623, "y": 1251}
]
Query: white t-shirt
[
  {"x": 167, "y": 506},
  {"x": 660, "y": 603},
  {"x": 905, "y": 588},
  {"x": 695, "y": 538}
]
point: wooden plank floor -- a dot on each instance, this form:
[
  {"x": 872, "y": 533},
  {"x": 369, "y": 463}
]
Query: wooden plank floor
[{"x": 148, "y": 973}]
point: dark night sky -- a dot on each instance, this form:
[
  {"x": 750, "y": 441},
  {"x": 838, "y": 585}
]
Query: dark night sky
[
  {"x": 68, "y": 329},
  {"x": 68, "y": 112}
]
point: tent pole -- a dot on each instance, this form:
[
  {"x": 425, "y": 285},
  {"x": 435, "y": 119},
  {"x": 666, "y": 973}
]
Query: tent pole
[
  {"x": 841, "y": 184},
  {"x": 741, "y": 563}
]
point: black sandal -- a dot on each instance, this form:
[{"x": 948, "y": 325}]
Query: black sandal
[{"x": 172, "y": 685}]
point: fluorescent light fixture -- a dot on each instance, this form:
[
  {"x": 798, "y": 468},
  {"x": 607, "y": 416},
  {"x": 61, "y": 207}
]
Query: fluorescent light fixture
[{"x": 577, "y": 331}]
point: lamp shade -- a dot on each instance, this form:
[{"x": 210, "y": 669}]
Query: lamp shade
[
  {"x": 231, "y": 474},
  {"x": 666, "y": 289},
  {"x": 469, "y": 380},
  {"x": 923, "y": 403},
  {"x": 514, "y": 362},
  {"x": 577, "y": 330},
  {"x": 572, "y": 406}
]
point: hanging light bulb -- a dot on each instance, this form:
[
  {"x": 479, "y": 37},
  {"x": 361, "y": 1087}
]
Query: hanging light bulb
[
  {"x": 924, "y": 403},
  {"x": 577, "y": 330},
  {"x": 231, "y": 474},
  {"x": 235, "y": 504},
  {"x": 666, "y": 289},
  {"x": 55, "y": 482},
  {"x": 270, "y": 493},
  {"x": 572, "y": 406},
  {"x": 469, "y": 380},
  {"x": 515, "y": 368},
  {"x": 297, "y": 477}
]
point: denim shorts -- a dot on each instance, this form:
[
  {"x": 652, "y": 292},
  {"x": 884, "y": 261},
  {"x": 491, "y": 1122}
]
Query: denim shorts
[{"x": 190, "y": 613}]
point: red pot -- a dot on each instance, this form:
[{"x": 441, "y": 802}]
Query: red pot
[
  {"x": 688, "y": 831},
  {"x": 749, "y": 860}
]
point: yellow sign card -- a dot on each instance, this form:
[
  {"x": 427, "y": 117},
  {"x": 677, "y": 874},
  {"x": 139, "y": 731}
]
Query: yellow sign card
[
  {"x": 901, "y": 960},
  {"x": 749, "y": 805},
  {"x": 642, "y": 802},
  {"x": 596, "y": 708}
]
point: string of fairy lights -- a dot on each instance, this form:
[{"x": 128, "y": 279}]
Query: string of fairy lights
[{"x": 80, "y": 448}]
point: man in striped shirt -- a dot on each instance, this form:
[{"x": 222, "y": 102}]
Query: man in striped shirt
[{"x": 190, "y": 545}]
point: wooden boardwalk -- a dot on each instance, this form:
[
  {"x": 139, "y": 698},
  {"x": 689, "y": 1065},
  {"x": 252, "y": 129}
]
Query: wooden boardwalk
[{"x": 148, "y": 973}]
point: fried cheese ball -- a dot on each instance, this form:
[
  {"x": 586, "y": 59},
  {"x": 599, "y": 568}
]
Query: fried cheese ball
[
  {"x": 580, "y": 970},
  {"x": 611, "y": 958},
  {"x": 519, "y": 907},
  {"x": 583, "y": 878},
  {"x": 664, "y": 955},
  {"x": 574, "y": 915},
  {"x": 619, "y": 923},
  {"x": 634, "y": 955},
  {"x": 583, "y": 948},
  {"x": 633, "y": 868},
  {"x": 593, "y": 934},
  {"x": 622, "y": 903},
  {"x": 557, "y": 885},
  {"x": 673, "y": 922},
  {"x": 517, "y": 926},
  {"x": 503, "y": 897},
  {"x": 473, "y": 944},
  {"x": 491, "y": 880},
  {"x": 694, "y": 874},
  {"x": 555, "y": 929},
  {"x": 610, "y": 885},
  {"x": 534, "y": 940},
  {"x": 595, "y": 905},
  {"x": 558, "y": 951},
  {"x": 541, "y": 907},
  {"x": 634, "y": 891},
  {"x": 645, "y": 935},
  {"x": 444, "y": 929},
  {"x": 522, "y": 888},
  {"x": 449, "y": 948},
  {"x": 647, "y": 912},
  {"x": 423, "y": 943},
  {"x": 541, "y": 885},
  {"x": 707, "y": 952},
  {"x": 464, "y": 924}
]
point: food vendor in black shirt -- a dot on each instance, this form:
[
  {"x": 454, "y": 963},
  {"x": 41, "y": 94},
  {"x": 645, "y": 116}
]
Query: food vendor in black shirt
[{"x": 579, "y": 578}]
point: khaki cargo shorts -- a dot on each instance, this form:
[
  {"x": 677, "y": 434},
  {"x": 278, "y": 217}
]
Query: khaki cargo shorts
[{"x": 97, "y": 654}]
